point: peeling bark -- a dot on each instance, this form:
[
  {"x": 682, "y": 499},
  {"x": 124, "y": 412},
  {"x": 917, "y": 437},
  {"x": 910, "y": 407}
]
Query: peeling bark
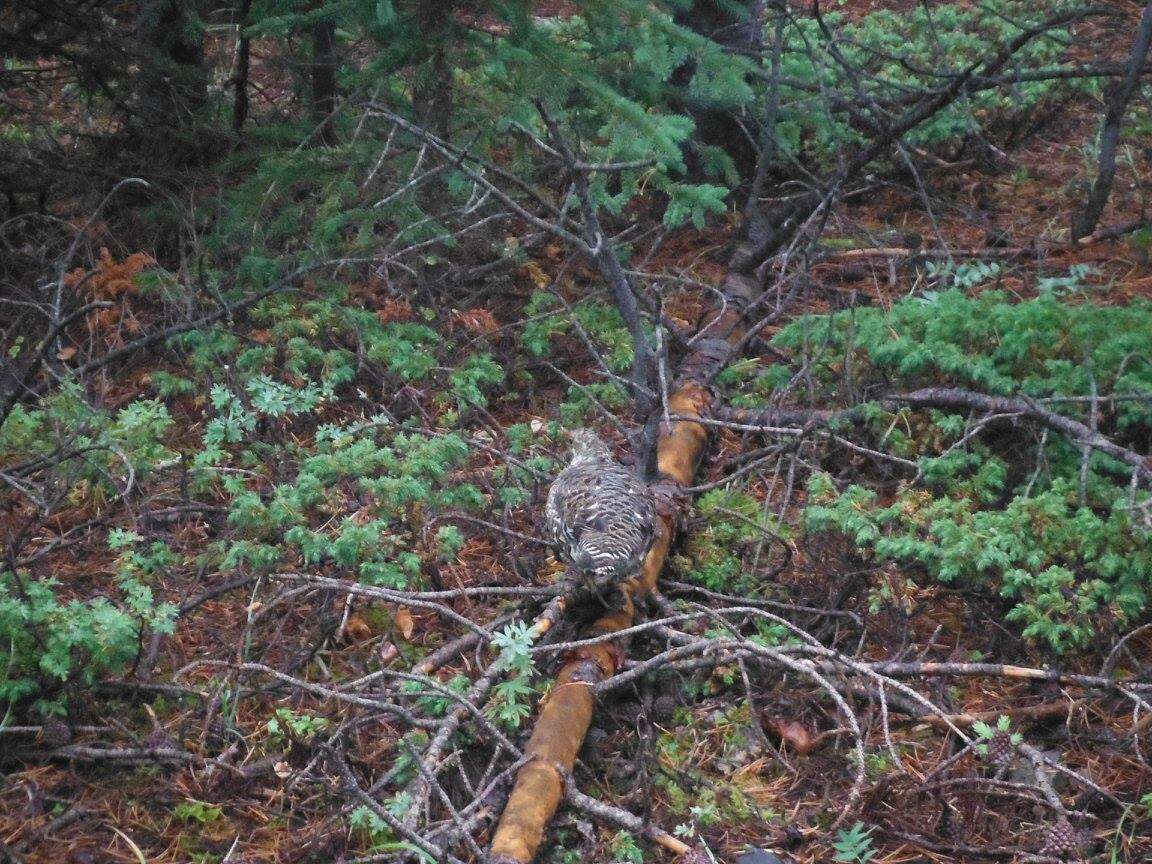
[{"x": 566, "y": 714}]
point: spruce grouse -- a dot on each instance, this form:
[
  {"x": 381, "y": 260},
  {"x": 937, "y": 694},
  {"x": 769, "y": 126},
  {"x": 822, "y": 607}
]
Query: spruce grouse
[{"x": 601, "y": 517}]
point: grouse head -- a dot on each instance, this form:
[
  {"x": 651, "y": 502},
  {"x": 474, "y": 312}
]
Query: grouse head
[{"x": 587, "y": 446}]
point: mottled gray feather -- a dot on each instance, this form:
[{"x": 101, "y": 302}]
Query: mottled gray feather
[{"x": 600, "y": 516}]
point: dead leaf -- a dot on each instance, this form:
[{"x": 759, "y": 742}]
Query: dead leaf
[
  {"x": 66, "y": 353},
  {"x": 799, "y": 738},
  {"x": 394, "y": 310},
  {"x": 357, "y": 629},
  {"x": 107, "y": 319},
  {"x": 479, "y": 321},
  {"x": 405, "y": 623},
  {"x": 537, "y": 275}
]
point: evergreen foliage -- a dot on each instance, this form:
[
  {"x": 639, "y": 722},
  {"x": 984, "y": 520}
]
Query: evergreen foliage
[
  {"x": 881, "y": 57},
  {"x": 305, "y": 485},
  {"x": 304, "y": 374},
  {"x": 1066, "y": 546}
]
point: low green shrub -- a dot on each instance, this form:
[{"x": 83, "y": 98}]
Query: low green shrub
[{"x": 1022, "y": 516}]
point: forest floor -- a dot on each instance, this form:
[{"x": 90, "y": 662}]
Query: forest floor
[{"x": 764, "y": 765}]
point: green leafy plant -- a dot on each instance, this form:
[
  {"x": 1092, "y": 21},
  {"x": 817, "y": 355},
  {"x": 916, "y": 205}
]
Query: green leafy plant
[
  {"x": 436, "y": 703},
  {"x": 52, "y": 643},
  {"x": 901, "y": 50},
  {"x": 988, "y": 733},
  {"x": 854, "y": 845},
  {"x": 378, "y": 834},
  {"x": 1075, "y": 282},
  {"x": 625, "y": 849},
  {"x": 963, "y": 276},
  {"x": 286, "y": 725},
  {"x": 510, "y": 701},
  {"x": 1061, "y": 544},
  {"x": 714, "y": 552},
  {"x": 201, "y": 812},
  {"x": 546, "y": 320}
]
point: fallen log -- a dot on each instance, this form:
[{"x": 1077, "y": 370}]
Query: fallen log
[{"x": 567, "y": 711}]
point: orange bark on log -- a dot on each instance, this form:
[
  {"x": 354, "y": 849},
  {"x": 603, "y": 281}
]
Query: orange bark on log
[{"x": 567, "y": 712}]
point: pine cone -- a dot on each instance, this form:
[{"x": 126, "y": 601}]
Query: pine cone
[
  {"x": 56, "y": 733},
  {"x": 951, "y": 824},
  {"x": 600, "y": 516},
  {"x": 1000, "y": 749},
  {"x": 217, "y": 728},
  {"x": 1062, "y": 839},
  {"x": 696, "y": 855},
  {"x": 664, "y": 708}
]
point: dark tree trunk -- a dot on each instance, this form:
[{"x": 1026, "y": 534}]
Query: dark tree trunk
[
  {"x": 434, "y": 99},
  {"x": 324, "y": 81},
  {"x": 173, "y": 80},
  {"x": 734, "y": 24},
  {"x": 240, "y": 104},
  {"x": 1086, "y": 221},
  {"x": 768, "y": 147}
]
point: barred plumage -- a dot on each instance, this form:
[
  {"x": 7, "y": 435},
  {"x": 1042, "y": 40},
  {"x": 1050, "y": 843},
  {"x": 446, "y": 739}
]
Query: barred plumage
[{"x": 601, "y": 517}]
